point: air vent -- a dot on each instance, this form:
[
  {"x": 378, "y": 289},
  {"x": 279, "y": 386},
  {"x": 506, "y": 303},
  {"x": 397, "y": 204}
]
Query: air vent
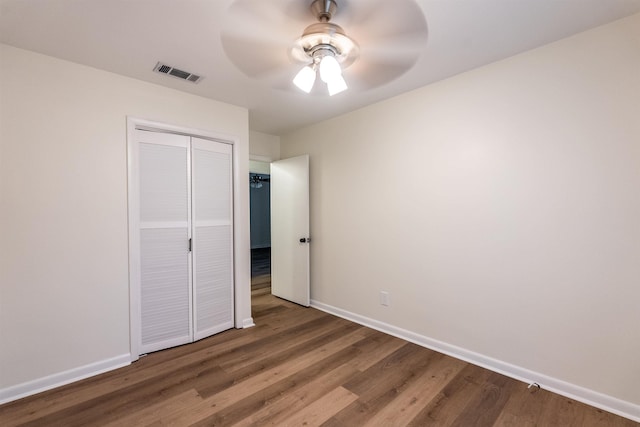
[{"x": 175, "y": 72}]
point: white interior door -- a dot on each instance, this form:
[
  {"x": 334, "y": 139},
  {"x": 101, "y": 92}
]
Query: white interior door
[
  {"x": 212, "y": 237},
  {"x": 290, "y": 229}
]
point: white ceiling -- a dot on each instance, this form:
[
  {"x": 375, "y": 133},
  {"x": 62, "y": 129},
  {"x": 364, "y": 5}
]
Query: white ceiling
[{"x": 128, "y": 37}]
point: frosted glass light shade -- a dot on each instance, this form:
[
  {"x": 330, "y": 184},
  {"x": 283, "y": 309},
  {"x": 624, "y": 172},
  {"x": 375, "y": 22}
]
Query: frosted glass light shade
[
  {"x": 305, "y": 79},
  {"x": 336, "y": 85},
  {"x": 329, "y": 69},
  {"x": 330, "y": 73}
]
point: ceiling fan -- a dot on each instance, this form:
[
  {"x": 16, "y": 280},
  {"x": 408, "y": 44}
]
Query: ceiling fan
[
  {"x": 275, "y": 41},
  {"x": 326, "y": 48}
]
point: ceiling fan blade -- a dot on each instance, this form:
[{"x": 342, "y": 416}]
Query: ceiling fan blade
[
  {"x": 262, "y": 15},
  {"x": 381, "y": 62},
  {"x": 255, "y": 57},
  {"x": 367, "y": 75},
  {"x": 391, "y": 35},
  {"x": 399, "y": 47},
  {"x": 298, "y": 11},
  {"x": 258, "y": 36},
  {"x": 363, "y": 19}
]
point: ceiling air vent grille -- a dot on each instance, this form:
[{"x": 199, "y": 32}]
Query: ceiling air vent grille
[{"x": 175, "y": 72}]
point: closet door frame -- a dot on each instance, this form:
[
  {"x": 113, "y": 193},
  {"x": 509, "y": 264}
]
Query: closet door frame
[{"x": 134, "y": 124}]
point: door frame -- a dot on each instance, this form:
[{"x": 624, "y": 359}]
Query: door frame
[
  {"x": 241, "y": 261},
  {"x": 271, "y": 160},
  {"x": 260, "y": 159}
]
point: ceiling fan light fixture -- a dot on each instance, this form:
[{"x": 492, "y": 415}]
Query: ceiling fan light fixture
[
  {"x": 329, "y": 69},
  {"x": 327, "y": 66},
  {"x": 336, "y": 85},
  {"x": 326, "y": 47},
  {"x": 305, "y": 78}
]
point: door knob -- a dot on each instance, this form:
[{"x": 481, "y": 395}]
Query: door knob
[{"x": 305, "y": 240}]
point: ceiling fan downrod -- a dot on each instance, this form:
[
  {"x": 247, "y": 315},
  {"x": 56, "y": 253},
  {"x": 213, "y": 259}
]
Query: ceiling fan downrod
[{"x": 324, "y": 9}]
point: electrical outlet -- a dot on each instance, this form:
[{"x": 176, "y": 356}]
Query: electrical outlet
[{"x": 384, "y": 298}]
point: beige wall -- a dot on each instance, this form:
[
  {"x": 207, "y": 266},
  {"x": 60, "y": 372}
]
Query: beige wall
[
  {"x": 500, "y": 208},
  {"x": 63, "y": 184},
  {"x": 264, "y": 146}
]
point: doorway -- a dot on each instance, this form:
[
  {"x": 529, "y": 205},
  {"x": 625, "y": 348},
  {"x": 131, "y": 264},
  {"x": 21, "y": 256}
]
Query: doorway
[
  {"x": 260, "y": 224},
  {"x": 279, "y": 196}
]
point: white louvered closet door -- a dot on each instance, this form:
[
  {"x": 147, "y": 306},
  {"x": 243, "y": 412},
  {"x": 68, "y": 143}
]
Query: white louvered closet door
[
  {"x": 181, "y": 239},
  {"x": 212, "y": 237},
  {"x": 164, "y": 224}
]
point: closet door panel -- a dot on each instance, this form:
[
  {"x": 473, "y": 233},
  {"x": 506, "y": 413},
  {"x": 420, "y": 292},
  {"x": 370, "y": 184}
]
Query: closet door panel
[
  {"x": 164, "y": 288},
  {"x": 214, "y": 308},
  {"x": 213, "y": 237},
  {"x": 163, "y": 183},
  {"x": 165, "y": 292}
]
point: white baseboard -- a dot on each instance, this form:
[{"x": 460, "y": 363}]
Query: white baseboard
[
  {"x": 590, "y": 397},
  {"x": 248, "y": 323},
  {"x": 62, "y": 378}
]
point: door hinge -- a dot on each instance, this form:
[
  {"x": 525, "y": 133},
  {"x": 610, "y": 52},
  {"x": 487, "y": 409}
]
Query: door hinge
[{"x": 190, "y": 244}]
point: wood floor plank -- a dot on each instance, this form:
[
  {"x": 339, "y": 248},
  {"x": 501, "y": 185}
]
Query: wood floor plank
[
  {"x": 302, "y": 344},
  {"x": 111, "y": 405},
  {"x": 595, "y": 417},
  {"x": 278, "y": 358},
  {"x": 377, "y": 386},
  {"x": 376, "y": 348},
  {"x": 446, "y": 406},
  {"x": 306, "y": 335},
  {"x": 300, "y": 365},
  {"x": 78, "y": 394},
  {"x": 387, "y": 371},
  {"x": 157, "y": 412},
  {"x": 419, "y": 393},
  {"x": 274, "y": 413},
  {"x": 81, "y": 394},
  {"x": 258, "y": 382},
  {"x": 485, "y": 407},
  {"x": 322, "y": 409},
  {"x": 562, "y": 411},
  {"x": 523, "y": 408},
  {"x": 261, "y": 310},
  {"x": 274, "y": 392}
]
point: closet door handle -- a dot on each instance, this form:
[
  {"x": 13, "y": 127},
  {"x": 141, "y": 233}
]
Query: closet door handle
[{"x": 305, "y": 240}]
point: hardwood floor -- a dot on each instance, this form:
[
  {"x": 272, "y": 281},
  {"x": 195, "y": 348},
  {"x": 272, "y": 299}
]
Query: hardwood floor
[
  {"x": 300, "y": 366},
  {"x": 260, "y": 262}
]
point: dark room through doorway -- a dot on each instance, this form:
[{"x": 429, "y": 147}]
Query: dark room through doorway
[{"x": 260, "y": 219}]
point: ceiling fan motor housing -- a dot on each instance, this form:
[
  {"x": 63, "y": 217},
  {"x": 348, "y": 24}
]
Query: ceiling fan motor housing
[{"x": 325, "y": 38}]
